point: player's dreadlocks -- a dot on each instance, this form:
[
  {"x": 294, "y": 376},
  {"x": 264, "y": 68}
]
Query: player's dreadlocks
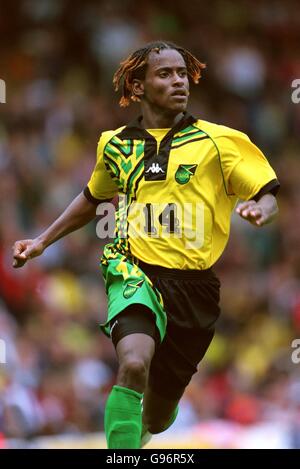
[{"x": 135, "y": 66}]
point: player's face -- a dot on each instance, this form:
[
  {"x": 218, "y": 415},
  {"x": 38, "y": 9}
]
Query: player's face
[{"x": 166, "y": 84}]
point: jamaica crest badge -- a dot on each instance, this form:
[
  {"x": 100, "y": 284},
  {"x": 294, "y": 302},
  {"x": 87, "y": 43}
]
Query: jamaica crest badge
[
  {"x": 184, "y": 173},
  {"x": 132, "y": 287}
]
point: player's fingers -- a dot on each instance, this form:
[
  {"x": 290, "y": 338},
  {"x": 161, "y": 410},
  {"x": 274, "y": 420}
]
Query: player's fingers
[
  {"x": 256, "y": 213},
  {"x": 245, "y": 206},
  {"x": 260, "y": 220},
  {"x": 18, "y": 263},
  {"x": 30, "y": 252},
  {"x": 22, "y": 251},
  {"x": 18, "y": 248},
  {"x": 20, "y": 255},
  {"x": 245, "y": 212}
]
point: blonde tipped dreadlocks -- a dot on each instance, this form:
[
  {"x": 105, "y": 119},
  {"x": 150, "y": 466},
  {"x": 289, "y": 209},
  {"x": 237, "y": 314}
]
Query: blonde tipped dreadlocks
[{"x": 135, "y": 65}]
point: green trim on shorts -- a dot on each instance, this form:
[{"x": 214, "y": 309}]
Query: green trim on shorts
[{"x": 127, "y": 284}]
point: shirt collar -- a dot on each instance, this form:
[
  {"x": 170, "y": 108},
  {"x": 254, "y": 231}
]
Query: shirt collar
[{"x": 134, "y": 129}]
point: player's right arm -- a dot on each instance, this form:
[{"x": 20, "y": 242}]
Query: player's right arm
[
  {"x": 80, "y": 212},
  {"x": 100, "y": 188}
]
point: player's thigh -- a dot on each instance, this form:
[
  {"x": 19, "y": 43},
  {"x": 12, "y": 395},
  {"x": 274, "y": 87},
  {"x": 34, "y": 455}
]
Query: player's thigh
[
  {"x": 192, "y": 308},
  {"x": 135, "y": 335},
  {"x": 136, "y": 347}
]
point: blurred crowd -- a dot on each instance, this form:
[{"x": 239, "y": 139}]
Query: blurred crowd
[{"x": 57, "y": 58}]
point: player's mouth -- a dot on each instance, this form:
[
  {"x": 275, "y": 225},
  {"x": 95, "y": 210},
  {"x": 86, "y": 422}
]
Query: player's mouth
[{"x": 179, "y": 93}]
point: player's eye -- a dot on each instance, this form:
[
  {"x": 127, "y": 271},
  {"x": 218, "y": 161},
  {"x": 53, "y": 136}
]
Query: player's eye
[
  {"x": 163, "y": 74},
  {"x": 183, "y": 73}
]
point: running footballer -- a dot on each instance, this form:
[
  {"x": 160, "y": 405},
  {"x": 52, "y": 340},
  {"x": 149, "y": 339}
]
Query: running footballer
[{"x": 179, "y": 179}]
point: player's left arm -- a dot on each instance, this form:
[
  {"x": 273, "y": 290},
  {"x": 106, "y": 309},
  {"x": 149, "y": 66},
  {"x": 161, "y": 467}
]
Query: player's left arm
[
  {"x": 248, "y": 175},
  {"x": 259, "y": 212}
]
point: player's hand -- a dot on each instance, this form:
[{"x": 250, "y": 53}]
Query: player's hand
[
  {"x": 253, "y": 212},
  {"x": 26, "y": 249}
]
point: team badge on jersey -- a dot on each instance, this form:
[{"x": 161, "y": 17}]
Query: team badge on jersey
[
  {"x": 131, "y": 288},
  {"x": 184, "y": 173}
]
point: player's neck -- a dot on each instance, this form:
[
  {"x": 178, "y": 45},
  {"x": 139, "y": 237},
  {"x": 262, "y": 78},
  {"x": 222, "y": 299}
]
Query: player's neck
[{"x": 154, "y": 120}]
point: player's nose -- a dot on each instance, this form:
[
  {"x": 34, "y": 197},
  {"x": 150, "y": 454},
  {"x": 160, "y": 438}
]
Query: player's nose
[{"x": 178, "y": 80}]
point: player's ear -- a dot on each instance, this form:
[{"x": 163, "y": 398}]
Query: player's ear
[{"x": 138, "y": 88}]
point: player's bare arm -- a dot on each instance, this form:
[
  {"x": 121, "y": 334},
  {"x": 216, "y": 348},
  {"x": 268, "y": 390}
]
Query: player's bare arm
[
  {"x": 261, "y": 212},
  {"x": 80, "y": 212}
]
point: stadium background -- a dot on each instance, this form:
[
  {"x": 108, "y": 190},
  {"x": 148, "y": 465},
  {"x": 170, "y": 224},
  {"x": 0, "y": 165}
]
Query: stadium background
[{"x": 57, "y": 59}]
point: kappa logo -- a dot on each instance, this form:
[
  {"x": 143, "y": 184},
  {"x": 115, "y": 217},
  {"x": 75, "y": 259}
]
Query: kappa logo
[
  {"x": 131, "y": 288},
  {"x": 184, "y": 173},
  {"x": 155, "y": 169}
]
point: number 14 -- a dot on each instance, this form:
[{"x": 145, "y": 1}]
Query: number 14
[{"x": 167, "y": 218}]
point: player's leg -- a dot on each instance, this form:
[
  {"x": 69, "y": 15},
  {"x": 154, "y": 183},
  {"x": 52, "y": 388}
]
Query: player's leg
[
  {"x": 134, "y": 336},
  {"x": 159, "y": 413},
  {"x": 192, "y": 307},
  {"x": 164, "y": 389},
  {"x": 136, "y": 321},
  {"x": 134, "y": 353},
  {"x": 169, "y": 374}
]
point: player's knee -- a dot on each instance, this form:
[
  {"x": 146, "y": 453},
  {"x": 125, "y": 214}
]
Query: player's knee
[{"x": 133, "y": 372}]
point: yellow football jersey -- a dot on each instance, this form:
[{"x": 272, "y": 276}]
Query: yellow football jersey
[{"x": 178, "y": 188}]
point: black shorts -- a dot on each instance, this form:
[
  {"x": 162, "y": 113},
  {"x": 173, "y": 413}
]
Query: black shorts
[{"x": 191, "y": 300}]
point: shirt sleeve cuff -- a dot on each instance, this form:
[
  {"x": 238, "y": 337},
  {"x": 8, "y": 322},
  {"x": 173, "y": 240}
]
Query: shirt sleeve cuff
[
  {"x": 271, "y": 187},
  {"x": 92, "y": 199}
]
